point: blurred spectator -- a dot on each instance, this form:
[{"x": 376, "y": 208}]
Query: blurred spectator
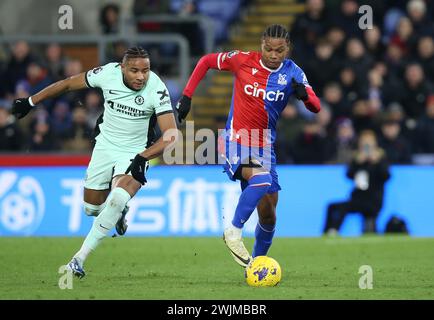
[
  {"x": 17, "y": 67},
  {"x": 404, "y": 37},
  {"x": 375, "y": 94},
  {"x": 414, "y": 92},
  {"x": 41, "y": 137},
  {"x": 73, "y": 67},
  {"x": 310, "y": 145},
  {"x": 109, "y": 18},
  {"x": 424, "y": 135},
  {"x": 289, "y": 126},
  {"x": 358, "y": 59},
  {"x": 347, "y": 18},
  {"x": 308, "y": 28},
  {"x": 22, "y": 89},
  {"x": 94, "y": 107},
  {"x": 189, "y": 7},
  {"x": 61, "y": 120},
  {"x": 336, "y": 37},
  {"x": 373, "y": 43},
  {"x": 344, "y": 142},
  {"x": 11, "y": 138},
  {"x": 80, "y": 134},
  {"x": 394, "y": 59},
  {"x": 391, "y": 19},
  {"x": 55, "y": 61},
  {"x": 325, "y": 61},
  {"x": 37, "y": 77},
  {"x": 395, "y": 112},
  {"x": 351, "y": 89},
  {"x": 381, "y": 67},
  {"x": 369, "y": 170},
  {"x": 397, "y": 148},
  {"x": 422, "y": 22},
  {"x": 334, "y": 98},
  {"x": 425, "y": 50},
  {"x": 362, "y": 116},
  {"x": 324, "y": 118}
]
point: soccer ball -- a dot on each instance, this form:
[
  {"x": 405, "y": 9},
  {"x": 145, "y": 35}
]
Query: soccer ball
[{"x": 263, "y": 271}]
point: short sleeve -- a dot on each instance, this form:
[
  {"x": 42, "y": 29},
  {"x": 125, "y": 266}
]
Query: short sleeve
[
  {"x": 96, "y": 77},
  {"x": 231, "y": 61},
  {"x": 162, "y": 103}
]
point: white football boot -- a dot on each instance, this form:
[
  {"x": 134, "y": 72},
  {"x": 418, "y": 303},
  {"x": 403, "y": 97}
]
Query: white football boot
[{"x": 234, "y": 242}]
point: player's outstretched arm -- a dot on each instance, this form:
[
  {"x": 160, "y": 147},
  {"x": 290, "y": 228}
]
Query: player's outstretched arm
[
  {"x": 169, "y": 131},
  {"x": 22, "y": 106},
  {"x": 209, "y": 61},
  {"x": 307, "y": 95}
]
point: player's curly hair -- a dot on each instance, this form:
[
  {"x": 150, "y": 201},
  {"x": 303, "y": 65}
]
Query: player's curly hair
[
  {"x": 136, "y": 52},
  {"x": 276, "y": 31}
]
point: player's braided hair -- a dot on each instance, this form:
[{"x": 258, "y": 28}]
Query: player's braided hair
[
  {"x": 136, "y": 52},
  {"x": 276, "y": 31}
]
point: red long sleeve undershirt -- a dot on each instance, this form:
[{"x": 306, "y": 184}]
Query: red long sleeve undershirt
[
  {"x": 312, "y": 103},
  {"x": 209, "y": 61}
]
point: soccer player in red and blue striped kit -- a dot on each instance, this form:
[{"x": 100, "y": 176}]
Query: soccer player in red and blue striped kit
[{"x": 264, "y": 81}]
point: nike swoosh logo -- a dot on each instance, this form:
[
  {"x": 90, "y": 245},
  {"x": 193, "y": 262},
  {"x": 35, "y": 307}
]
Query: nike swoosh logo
[
  {"x": 243, "y": 260},
  {"x": 113, "y": 92},
  {"x": 103, "y": 227}
]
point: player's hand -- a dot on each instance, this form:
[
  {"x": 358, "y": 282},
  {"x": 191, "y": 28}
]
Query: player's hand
[
  {"x": 21, "y": 107},
  {"x": 138, "y": 167},
  {"x": 299, "y": 90},
  {"x": 183, "y": 106}
]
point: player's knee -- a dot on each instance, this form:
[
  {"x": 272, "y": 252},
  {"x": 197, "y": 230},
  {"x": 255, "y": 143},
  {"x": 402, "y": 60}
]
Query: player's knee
[
  {"x": 267, "y": 215},
  {"x": 118, "y": 199},
  {"x": 93, "y": 209},
  {"x": 262, "y": 180}
]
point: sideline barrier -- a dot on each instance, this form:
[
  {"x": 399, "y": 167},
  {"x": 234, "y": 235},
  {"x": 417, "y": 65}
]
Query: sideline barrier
[{"x": 200, "y": 200}]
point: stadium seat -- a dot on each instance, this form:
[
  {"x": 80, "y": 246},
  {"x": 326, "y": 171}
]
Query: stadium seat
[{"x": 222, "y": 12}]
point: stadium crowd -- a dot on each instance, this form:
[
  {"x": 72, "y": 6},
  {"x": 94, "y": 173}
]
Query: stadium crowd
[{"x": 381, "y": 79}]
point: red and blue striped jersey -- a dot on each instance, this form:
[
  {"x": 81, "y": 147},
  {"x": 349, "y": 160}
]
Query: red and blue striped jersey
[{"x": 259, "y": 95}]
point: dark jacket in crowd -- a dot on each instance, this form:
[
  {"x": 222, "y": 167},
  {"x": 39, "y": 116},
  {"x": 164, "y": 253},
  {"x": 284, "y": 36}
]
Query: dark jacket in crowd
[
  {"x": 398, "y": 150},
  {"x": 11, "y": 138}
]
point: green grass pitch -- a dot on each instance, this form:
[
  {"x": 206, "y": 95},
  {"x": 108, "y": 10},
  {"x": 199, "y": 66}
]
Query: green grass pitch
[{"x": 202, "y": 268}]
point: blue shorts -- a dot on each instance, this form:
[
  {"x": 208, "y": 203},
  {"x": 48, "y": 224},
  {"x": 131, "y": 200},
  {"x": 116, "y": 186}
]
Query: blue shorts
[{"x": 236, "y": 155}]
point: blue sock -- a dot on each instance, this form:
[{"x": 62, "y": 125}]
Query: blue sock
[
  {"x": 257, "y": 187},
  {"x": 263, "y": 238}
]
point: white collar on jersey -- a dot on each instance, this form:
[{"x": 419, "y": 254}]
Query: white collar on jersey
[{"x": 268, "y": 69}]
